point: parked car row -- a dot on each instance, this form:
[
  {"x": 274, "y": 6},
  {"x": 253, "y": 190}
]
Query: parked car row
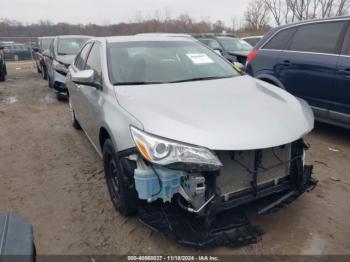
[
  {"x": 53, "y": 57},
  {"x": 16, "y": 51}
]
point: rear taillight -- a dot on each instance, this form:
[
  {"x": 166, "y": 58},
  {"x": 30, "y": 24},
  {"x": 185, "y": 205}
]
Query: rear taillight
[{"x": 251, "y": 56}]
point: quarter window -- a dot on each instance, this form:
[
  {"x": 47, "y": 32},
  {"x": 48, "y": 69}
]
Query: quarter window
[
  {"x": 317, "y": 38},
  {"x": 80, "y": 60},
  {"x": 280, "y": 40}
]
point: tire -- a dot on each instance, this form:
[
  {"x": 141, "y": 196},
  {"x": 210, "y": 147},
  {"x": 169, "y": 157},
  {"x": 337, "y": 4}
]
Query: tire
[
  {"x": 2, "y": 76},
  {"x": 74, "y": 121},
  {"x": 119, "y": 185},
  {"x": 43, "y": 72},
  {"x": 62, "y": 97}
]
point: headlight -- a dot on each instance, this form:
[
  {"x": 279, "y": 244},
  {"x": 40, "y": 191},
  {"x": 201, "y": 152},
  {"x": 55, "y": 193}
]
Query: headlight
[
  {"x": 162, "y": 151},
  {"x": 61, "y": 68}
]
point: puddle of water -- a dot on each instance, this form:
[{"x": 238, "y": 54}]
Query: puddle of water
[
  {"x": 314, "y": 246},
  {"x": 48, "y": 99},
  {"x": 11, "y": 100}
]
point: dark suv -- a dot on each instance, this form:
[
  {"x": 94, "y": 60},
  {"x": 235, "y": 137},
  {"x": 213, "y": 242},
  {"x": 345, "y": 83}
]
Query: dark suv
[
  {"x": 311, "y": 60},
  {"x": 232, "y": 48}
]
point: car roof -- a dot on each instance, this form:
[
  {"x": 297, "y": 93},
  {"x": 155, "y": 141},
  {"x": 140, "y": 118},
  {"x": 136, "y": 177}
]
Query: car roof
[
  {"x": 146, "y": 37},
  {"x": 340, "y": 18},
  {"x": 251, "y": 37},
  {"x": 73, "y": 36},
  {"x": 46, "y": 37}
]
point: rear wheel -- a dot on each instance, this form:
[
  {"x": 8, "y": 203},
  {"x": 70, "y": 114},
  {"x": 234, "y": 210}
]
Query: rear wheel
[
  {"x": 74, "y": 121},
  {"x": 119, "y": 185}
]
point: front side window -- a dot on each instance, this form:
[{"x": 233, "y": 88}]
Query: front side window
[
  {"x": 70, "y": 46},
  {"x": 234, "y": 44},
  {"x": 153, "y": 62},
  {"x": 80, "y": 60},
  {"x": 45, "y": 44},
  {"x": 317, "y": 38},
  {"x": 94, "y": 62}
]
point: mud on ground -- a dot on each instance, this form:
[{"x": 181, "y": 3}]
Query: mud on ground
[{"x": 51, "y": 175}]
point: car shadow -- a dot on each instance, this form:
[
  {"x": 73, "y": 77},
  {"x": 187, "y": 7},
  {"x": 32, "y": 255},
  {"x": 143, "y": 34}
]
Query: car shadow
[{"x": 332, "y": 132}]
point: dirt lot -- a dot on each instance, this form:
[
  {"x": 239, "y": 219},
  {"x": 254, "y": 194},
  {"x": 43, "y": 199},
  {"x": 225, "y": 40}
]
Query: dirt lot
[{"x": 51, "y": 175}]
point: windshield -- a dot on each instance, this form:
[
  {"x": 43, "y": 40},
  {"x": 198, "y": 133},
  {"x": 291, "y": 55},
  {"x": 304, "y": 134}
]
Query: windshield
[
  {"x": 45, "y": 44},
  {"x": 235, "y": 44},
  {"x": 70, "y": 46},
  {"x": 154, "y": 62}
]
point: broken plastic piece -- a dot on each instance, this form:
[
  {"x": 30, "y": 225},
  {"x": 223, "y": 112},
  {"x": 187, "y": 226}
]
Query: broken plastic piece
[{"x": 230, "y": 228}]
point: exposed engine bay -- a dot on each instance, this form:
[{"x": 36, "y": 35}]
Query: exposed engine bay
[{"x": 206, "y": 208}]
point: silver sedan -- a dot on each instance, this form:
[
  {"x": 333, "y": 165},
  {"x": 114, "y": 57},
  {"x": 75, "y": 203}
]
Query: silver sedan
[{"x": 175, "y": 123}]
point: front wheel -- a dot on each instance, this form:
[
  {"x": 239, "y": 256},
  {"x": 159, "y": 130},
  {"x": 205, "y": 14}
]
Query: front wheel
[
  {"x": 43, "y": 72},
  {"x": 2, "y": 75},
  {"x": 119, "y": 185}
]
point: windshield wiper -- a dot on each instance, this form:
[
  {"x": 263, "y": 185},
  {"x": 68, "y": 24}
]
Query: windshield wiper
[
  {"x": 201, "y": 78},
  {"x": 135, "y": 83}
]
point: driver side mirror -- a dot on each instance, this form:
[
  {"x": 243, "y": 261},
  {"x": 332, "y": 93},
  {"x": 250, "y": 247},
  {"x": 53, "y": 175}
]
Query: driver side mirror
[
  {"x": 85, "y": 77},
  {"x": 218, "y": 51}
]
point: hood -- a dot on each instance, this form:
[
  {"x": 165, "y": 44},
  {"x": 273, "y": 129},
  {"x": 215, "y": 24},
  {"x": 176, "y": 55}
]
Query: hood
[
  {"x": 239, "y": 113},
  {"x": 65, "y": 59},
  {"x": 240, "y": 53}
]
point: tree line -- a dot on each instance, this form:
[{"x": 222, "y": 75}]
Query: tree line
[
  {"x": 258, "y": 17},
  {"x": 181, "y": 24}
]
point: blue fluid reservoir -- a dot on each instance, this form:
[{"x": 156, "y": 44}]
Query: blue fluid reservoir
[{"x": 149, "y": 187}]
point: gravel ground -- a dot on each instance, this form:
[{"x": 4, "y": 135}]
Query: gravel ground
[{"x": 51, "y": 175}]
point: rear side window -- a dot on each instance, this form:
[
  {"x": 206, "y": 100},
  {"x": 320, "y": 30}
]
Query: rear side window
[
  {"x": 280, "y": 40},
  {"x": 80, "y": 60},
  {"x": 317, "y": 38}
]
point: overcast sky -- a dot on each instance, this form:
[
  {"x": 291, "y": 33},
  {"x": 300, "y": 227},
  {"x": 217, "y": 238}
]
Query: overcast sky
[{"x": 115, "y": 11}]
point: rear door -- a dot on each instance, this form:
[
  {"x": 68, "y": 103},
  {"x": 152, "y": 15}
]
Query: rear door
[
  {"x": 307, "y": 68},
  {"x": 340, "y": 97}
]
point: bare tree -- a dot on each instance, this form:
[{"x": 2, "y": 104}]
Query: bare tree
[
  {"x": 286, "y": 11},
  {"x": 257, "y": 15}
]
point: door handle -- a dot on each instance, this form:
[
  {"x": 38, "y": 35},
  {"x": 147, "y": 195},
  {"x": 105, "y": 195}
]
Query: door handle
[
  {"x": 286, "y": 62},
  {"x": 345, "y": 72}
]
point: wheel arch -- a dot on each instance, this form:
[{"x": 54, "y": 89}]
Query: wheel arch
[{"x": 271, "y": 80}]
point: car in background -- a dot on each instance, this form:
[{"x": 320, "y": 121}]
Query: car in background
[
  {"x": 252, "y": 40},
  {"x": 311, "y": 60},
  {"x": 173, "y": 121},
  {"x": 18, "y": 51},
  {"x": 41, "y": 52},
  {"x": 62, "y": 52},
  {"x": 3, "y": 70},
  {"x": 232, "y": 48}
]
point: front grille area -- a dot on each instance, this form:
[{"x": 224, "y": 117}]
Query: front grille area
[{"x": 240, "y": 167}]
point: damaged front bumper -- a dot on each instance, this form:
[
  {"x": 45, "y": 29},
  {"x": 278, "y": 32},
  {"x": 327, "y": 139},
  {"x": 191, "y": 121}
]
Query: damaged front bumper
[{"x": 208, "y": 208}]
